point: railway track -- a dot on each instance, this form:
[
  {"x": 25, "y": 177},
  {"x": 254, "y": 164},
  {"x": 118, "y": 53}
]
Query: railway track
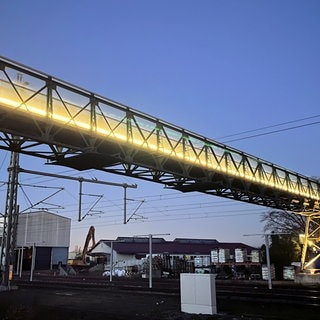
[
  {"x": 245, "y": 300},
  {"x": 248, "y": 291}
]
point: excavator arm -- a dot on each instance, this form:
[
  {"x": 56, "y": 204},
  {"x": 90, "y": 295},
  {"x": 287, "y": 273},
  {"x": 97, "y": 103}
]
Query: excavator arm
[{"x": 90, "y": 236}]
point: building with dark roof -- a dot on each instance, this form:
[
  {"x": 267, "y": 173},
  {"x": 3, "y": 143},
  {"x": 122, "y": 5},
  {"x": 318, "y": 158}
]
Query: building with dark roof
[{"x": 189, "y": 254}]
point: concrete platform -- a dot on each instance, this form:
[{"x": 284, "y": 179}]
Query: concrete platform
[{"x": 307, "y": 279}]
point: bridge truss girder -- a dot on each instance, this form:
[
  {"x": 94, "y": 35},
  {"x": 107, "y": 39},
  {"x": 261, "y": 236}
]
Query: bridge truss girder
[
  {"x": 175, "y": 175},
  {"x": 73, "y": 127}
]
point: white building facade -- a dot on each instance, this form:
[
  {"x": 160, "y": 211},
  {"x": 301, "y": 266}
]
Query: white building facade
[{"x": 48, "y": 233}]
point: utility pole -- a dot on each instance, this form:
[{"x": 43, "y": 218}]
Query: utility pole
[
  {"x": 266, "y": 239},
  {"x": 150, "y": 253}
]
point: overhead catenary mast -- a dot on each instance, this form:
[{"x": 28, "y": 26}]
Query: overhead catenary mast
[{"x": 11, "y": 211}]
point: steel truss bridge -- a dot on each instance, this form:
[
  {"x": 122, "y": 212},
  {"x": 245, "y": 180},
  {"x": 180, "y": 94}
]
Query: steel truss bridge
[{"x": 48, "y": 118}]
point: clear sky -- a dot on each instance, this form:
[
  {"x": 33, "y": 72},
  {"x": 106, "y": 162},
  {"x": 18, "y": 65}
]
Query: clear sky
[{"x": 217, "y": 68}]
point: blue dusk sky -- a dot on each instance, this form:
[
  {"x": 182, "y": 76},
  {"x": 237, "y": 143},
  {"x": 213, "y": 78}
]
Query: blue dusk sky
[{"x": 217, "y": 68}]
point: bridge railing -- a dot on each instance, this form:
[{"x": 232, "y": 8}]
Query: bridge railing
[{"x": 42, "y": 97}]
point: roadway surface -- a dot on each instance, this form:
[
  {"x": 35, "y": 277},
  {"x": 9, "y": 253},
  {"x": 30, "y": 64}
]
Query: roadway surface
[{"x": 96, "y": 298}]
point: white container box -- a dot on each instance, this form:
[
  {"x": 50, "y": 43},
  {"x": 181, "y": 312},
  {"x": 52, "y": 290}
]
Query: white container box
[
  {"x": 198, "y": 293},
  {"x": 240, "y": 255},
  {"x": 224, "y": 255},
  {"x": 255, "y": 256}
]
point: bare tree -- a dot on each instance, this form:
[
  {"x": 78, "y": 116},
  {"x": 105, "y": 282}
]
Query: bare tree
[
  {"x": 285, "y": 246},
  {"x": 279, "y": 221}
]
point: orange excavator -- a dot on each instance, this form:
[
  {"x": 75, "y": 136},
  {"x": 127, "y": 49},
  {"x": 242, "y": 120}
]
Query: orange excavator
[{"x": 81, "y": 259}]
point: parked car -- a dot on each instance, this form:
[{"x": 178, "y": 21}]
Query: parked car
[
  {"x": 239, "y": 276},
  {"x": 115, "y": 272},
  {"x": 255, "y": 276},
  {"x": 223, "y": 276}
]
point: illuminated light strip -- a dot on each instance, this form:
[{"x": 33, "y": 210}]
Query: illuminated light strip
[
  {"x": 9, "y": 102},
  {"x": 23, "y": 107},
  {"x": 71, "y": 121},
  {"x": 147, "y": 145}
]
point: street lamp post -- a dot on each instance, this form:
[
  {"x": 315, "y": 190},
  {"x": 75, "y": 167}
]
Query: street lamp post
[
  {"x": 111, "y": 261},
  {"x": 33, "y": 258},
  {"x": 150, "y": 261}
]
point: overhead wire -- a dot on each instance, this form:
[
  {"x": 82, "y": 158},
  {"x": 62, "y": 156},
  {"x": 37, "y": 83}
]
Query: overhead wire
[
  {"x": 272, "y": 132},
  {"x": 268, "y": 127},
  {"x": 3, "y": 160},
  {"x": 185, "y": 216}
]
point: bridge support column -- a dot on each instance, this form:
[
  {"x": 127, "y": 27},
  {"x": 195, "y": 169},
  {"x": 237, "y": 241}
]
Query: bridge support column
[
  {"x": 10, "y": 220},
  {"x": 305, "y": 243},
  {"x": 311, "y": 240}
]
